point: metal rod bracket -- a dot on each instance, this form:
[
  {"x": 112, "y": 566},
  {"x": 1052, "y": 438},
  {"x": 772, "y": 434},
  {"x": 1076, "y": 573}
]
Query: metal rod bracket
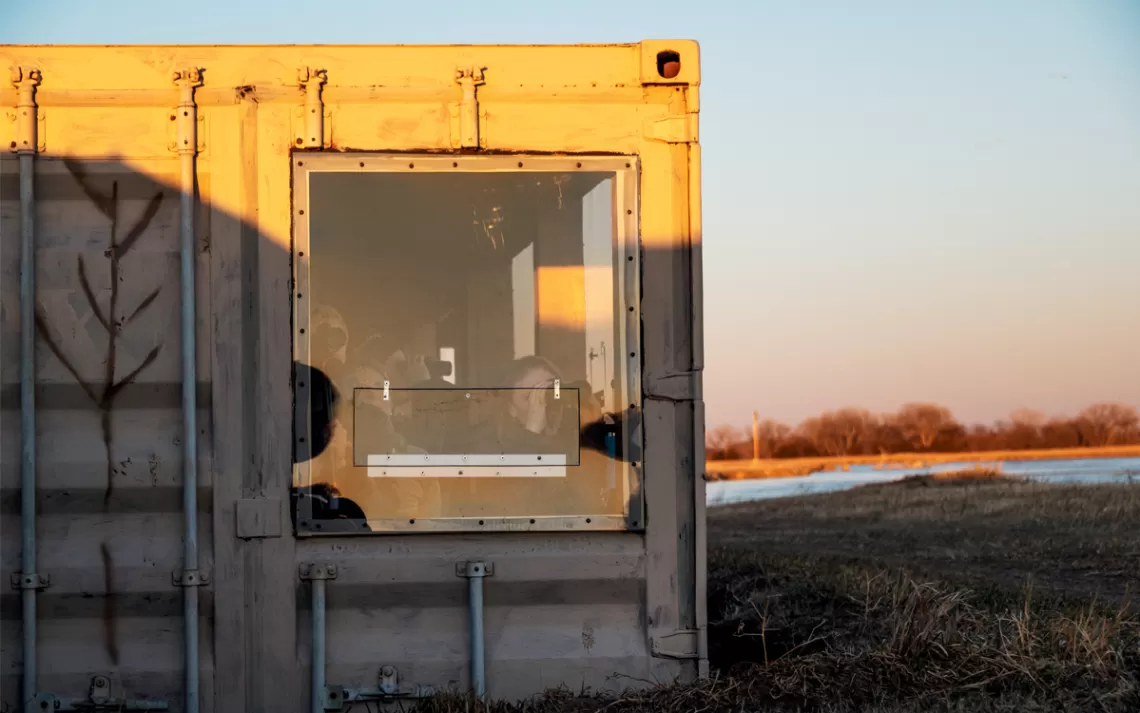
[
  {"x": 311, "y": 571},
  {"x": 474, "y": 570},
  {"x": 310, "y": 131},
  {"x": 27, "y": 139},
  {"x": 191, "y": 578},
  {"x": 468, "y": 119},
  {"x": 30, "y": 580},
  {"x": 98, "y": 699},
  {"x": 186, "y": 115}
]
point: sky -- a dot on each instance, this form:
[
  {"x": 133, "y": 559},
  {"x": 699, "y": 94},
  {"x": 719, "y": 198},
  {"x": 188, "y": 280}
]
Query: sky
[{"x": 903, "y": 201}]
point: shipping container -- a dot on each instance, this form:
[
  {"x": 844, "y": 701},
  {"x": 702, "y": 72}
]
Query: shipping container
[{"x": 346, "y": 374}]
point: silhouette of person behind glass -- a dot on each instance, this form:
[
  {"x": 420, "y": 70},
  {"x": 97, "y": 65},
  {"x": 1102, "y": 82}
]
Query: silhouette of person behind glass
[{"x": 322, "y": 500}]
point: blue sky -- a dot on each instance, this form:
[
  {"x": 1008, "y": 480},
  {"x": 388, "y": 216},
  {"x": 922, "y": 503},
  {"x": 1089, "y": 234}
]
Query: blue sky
[{"x": 903, "y": 200}]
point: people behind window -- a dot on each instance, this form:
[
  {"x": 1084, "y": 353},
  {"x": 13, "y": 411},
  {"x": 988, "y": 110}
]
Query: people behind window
[{"x": 516, "y": 413}]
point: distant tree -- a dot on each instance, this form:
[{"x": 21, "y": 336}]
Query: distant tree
[
  {"x": 771, "y": 435},
  {"x": 1108, "y": 424},
  {"x": 886, "y": 437},
  {"x": 821, "y": 431},
  {"x": 719, "y": 442},
  {"x": 1061, "y": 433},
  {"x": 1023, "y": 431},
  {"x": 840, "y": 433},
  {"x": 797, "y": 445},
  {"x": 926, "y": 427},
  {"x": 954, "y": 438},
  {"x": 980, "y": 437},
  {"x": 921, "y": 423},
  {"x": 856, "y": 429}
]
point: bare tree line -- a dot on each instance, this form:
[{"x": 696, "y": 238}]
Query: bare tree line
[{"x": 925, "y": 428}]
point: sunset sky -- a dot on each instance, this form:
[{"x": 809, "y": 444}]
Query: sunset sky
[{"x": 903, "y": 200}]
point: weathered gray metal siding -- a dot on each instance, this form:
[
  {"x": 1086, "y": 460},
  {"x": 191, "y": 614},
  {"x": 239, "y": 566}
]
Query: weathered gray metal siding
[
  {"x": 562, "y": 608},
  {"x": 109, "y": 472}
]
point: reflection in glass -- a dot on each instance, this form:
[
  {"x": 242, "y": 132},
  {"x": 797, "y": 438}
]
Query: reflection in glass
[{"x": 468, "y": 317}]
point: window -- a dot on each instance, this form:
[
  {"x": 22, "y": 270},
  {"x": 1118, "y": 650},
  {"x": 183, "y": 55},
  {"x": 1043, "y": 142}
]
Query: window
[{"x": 474, "y": 320}]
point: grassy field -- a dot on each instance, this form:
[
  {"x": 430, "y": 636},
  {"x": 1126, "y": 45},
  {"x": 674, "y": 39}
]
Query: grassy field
[
  {"x": 977, "y": 595},
  {"x": 783, "y": 467}
]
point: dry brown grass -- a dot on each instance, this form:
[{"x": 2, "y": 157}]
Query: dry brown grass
[
  {"x": 980, "y": 595},
  {"x": 966, "y": 475}
]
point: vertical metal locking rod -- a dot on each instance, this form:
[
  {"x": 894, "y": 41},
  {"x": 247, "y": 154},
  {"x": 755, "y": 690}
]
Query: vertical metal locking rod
[
  {"x": 187, "y": 121},
  {"x": 26, "y": 81},
  {"x": 697, "y": 338},
  {"x": 475, "y": 606},
  {"x": 318, "y": 575},
  {"x": 475, "y": 572},
  {"x": 319, "y": 643},
  {"x": 311, "y": 81}
]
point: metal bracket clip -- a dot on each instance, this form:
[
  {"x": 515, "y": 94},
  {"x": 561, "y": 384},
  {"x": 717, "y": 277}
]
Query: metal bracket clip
[
  {"x": 468, "y": 120},
  {"x": 98, "y": 699},
  {"x": 474, "y": 570},
  {"x": 191, "y": 578},
  {"x": 310, "y": 131},
  {"x": 310, "y": 571},
  {"x": 186, "y": 118},
  {"x": 30, "y": 580},
  {"x": 28, "y": 119}
]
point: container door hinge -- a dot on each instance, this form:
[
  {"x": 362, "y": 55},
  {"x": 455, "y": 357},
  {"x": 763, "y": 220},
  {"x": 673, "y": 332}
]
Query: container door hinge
[
  {"x": 672, "y": 129},
  {"x": 191, "y": 578},
  {"x": 312, "y": 123},
  {"x": 468, "y": 119},
  {"x": 671, "y": 386},
  {"x": 98, "y": 699},
  {"x": 30, "y": 580},
  {"x": 28, "y": 129},
  {"x": 677, "y": 645}
]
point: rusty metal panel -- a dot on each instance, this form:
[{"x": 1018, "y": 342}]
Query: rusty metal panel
[{"x": 563, "y": 608}]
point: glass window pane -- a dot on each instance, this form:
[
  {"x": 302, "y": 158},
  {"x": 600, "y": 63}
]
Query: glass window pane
[{"x": 471, "y": 325}]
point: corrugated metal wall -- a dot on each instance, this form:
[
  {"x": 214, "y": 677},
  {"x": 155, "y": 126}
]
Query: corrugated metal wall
[
  {"x": 108, "y": 428},
  {"x": 562, "y": 608}
]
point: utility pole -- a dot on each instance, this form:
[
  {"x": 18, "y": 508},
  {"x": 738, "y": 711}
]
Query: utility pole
[
  {"x": 755, "y": 436},
  {"x": 606, "y": 378}
]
